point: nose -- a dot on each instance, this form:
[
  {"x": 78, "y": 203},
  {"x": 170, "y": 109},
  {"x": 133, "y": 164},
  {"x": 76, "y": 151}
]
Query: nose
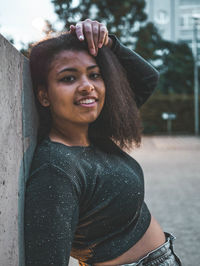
[{"x": 85, "y": 86}]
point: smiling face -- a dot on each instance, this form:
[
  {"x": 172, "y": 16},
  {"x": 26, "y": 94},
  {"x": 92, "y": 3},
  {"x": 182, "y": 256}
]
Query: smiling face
[{"x": 76, "y": 90}]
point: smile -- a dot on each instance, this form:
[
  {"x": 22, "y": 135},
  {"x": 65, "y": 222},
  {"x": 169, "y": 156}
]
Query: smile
[{"x": 87, "y": 101}]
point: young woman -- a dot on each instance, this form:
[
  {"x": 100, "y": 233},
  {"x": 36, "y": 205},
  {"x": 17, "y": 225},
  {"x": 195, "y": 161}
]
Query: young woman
[{"x": 85, "y": 195}]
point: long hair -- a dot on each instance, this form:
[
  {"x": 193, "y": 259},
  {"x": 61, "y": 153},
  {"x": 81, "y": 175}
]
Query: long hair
[{"x": 119, "y": 119}]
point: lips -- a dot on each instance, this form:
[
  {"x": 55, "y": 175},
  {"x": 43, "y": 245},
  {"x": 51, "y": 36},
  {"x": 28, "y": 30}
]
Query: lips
[{"x": 88, "y": 100}]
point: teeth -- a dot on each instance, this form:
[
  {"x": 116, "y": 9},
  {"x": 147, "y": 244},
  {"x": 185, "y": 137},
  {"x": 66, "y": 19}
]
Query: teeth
[{"x": 86, "y": 101}]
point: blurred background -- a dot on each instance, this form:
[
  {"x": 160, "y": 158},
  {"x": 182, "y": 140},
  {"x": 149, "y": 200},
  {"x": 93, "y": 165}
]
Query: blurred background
[{"x": 165, "y": 33}]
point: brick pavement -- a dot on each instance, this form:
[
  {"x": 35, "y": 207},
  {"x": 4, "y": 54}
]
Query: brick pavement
[{"x": 171, "y": 168}]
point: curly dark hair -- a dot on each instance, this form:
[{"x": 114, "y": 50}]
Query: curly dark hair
[{"x": 119, "y": 119}]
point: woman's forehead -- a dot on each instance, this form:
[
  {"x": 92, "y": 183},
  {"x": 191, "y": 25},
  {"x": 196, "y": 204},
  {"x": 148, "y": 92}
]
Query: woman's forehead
[{"x": 70, "y": 58}]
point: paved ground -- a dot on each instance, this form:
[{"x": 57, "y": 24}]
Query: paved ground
[{"x": 172, "y": 174}]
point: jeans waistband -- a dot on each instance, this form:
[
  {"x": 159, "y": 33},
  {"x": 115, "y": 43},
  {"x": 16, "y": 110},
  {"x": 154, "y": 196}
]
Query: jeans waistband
[
  {"x": 158, "y": 253},
  {"x": 163, "y": 252}
]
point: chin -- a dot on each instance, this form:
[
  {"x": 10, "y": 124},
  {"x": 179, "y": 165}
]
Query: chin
[{"x": 91, "y": 119}]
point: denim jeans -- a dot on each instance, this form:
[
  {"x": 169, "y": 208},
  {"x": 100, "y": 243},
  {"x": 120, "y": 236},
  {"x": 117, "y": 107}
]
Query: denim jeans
[{"x": 162, "y": 256}]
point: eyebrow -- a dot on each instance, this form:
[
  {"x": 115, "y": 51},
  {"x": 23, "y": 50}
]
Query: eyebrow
[{"x": 71, "y": 69}]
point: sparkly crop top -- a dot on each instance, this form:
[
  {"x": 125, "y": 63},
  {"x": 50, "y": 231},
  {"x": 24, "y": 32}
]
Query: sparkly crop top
[{"x": 87, "y": 202}]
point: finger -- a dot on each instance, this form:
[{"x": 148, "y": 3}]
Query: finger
[
  {"x": 102, "y": 36},
  {"x": 79, "y": 31},
  {"x": 106, "y": 40},
  {"x": 95, "y": 32},
  {"x": 87, "y": 28},
  {"x": 72, "y": 28},
  {"x": 110, "y": 42}
]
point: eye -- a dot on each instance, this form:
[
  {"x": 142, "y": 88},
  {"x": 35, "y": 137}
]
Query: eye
[
  {"x": 95, "y": 75},
  {"x": 68, "y": 79}
]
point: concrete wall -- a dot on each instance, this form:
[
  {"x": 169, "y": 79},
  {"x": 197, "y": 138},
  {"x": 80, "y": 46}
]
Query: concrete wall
[{"x": 18, "y": 127}]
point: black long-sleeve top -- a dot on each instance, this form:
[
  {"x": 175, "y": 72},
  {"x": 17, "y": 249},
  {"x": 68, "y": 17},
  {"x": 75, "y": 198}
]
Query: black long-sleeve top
[
  {"x": 85, "y": 201},
  {"x": 142, "y": 77}
]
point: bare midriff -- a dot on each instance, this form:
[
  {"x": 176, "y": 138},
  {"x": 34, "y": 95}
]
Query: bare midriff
[{"x": 152, "y": 239}]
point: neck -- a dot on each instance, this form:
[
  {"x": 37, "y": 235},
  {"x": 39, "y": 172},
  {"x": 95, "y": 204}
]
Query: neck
[{"x": 71, "y": 135}]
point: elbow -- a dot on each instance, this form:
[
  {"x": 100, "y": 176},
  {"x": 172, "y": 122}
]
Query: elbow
[
  {"x": 153, "y": 82},
  {"x": 157, "y": 76}
]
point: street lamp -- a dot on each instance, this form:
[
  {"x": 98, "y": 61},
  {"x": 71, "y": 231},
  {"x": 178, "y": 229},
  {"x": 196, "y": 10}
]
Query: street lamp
[{"x": 196, "y": 76}]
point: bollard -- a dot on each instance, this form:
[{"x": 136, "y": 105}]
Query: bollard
[{"x": 169, "y": 117}]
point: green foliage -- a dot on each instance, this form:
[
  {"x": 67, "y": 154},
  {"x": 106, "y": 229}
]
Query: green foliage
[
  {"x": 10, "y": 39},
  {"x": 120, "y": 16},
  {"x": 177, "y": 69},
  {"x": 173, "y": 60},
  {"x": 148, "y": 42},
  {"x": 49, "y": 28},
  {"x": 26, "y": 49}
]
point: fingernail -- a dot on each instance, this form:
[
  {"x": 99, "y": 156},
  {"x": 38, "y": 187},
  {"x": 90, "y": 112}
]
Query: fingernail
[
  {"x": 81, "y": 38},
  {"x": 93, "y": 52},
  {"x": 100, "y": 45}
]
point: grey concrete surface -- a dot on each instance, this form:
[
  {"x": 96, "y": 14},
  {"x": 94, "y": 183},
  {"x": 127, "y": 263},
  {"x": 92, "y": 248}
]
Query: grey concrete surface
[
  {"x": 11, "y": 150},
  {"x": 18, "y": 122},
  {"x": 171, "y": 168}
]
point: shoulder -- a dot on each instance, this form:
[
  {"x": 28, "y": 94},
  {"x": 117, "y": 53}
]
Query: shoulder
[
  {"x": 54, "y": 155},
  {"x": 55, "y": 162}
]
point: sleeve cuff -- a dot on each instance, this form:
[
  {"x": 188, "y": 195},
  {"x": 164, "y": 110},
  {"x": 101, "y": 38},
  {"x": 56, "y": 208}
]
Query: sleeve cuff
[{"x": 116, "y": 43}]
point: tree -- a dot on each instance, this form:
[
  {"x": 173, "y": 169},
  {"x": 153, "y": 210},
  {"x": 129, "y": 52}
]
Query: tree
[
  {"x": 119, "y": 16},
  {"x": 25, "y": 50},
  {"x": 173, "y": 60},
  {"x": 48, "y": 29},
  {"x": 177, "y": 68},
  {"x": 9, "y": 38},
  {"x": 148, "y": 42}
]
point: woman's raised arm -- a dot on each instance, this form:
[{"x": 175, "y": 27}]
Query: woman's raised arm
[{"x": 142, "y": 76}]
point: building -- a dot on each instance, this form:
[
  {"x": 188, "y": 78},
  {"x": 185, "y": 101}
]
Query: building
[{"x": 174, "y": 18}]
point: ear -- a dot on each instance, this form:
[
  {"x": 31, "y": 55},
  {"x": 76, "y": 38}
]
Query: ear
[{"x": 42, "y": 96}]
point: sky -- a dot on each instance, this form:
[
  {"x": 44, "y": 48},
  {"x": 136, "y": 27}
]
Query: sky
[{"x": 18, "y": 16}]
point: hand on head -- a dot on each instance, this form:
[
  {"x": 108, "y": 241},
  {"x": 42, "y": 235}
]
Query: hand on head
[{"x": 94, "y": 32}]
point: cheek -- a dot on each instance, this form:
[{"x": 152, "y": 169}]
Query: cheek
[
  {"x": 58, "y": 94},
  {"x": 103, "y": 91},
  {"x": 103, "y": 96}
]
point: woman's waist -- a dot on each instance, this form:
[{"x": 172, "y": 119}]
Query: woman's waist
[{"x": 152, "y": 239}]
